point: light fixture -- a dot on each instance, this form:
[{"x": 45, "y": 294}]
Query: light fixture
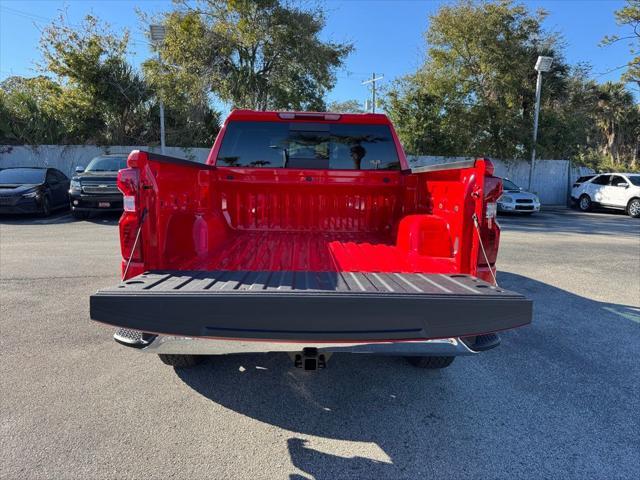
[
  {"x": 543, "y": 64},
  {"x": 158, "y": 33}
]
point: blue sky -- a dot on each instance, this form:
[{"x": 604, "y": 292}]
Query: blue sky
[{"x": 388, "y": 34}]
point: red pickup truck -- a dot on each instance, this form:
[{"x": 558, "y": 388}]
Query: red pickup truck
[{"x": 308, "y": 233}]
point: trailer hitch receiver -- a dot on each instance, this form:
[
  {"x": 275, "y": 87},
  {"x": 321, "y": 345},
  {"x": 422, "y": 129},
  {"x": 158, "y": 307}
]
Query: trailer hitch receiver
[{"x": 310, "y": 359}]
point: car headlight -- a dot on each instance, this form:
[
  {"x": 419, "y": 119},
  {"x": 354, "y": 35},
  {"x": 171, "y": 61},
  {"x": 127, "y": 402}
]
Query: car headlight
[
  {"x": 505, "y": 199},
  {"x": 75, "y": 185},
  {"x": 34, "y": 194},
  {"x": 536, "y": 199}
]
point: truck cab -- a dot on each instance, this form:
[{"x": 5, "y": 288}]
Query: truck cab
[{"x": 308, "y": 233}]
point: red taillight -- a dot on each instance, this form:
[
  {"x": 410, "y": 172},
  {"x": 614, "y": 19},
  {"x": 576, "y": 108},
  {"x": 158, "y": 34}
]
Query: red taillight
[
  {"x": 128, "y": 182},
  {"x": 131, "y": 220},
  {"x": 129, "y": 226}
]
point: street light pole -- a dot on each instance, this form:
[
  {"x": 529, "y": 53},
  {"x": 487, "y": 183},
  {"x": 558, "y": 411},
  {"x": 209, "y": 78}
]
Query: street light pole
[
  {"x": 542, "y": 65},
  {"x": 162, "y": 144},
  {"x": 158, "y": 34},
  {"x": 535, "y": 128}
]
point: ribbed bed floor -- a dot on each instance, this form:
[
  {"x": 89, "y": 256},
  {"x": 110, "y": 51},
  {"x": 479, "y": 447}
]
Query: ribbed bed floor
[{"x": 311, "y": 251}]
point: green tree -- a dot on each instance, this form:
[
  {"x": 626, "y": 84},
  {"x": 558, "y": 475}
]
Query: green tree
[
  {"x": 617, "y": 119},
  {"x": 478, "y": 80},
  {"x": 420, "y": 120},
  {"x": 256, "y": 54},
  {"x": 90, "y": 61},
  {"x": 348, "y": 106},
  {"x": 629, "y": 16},
  {"x": 96, "y": 96},
  {"x": 39, "y": 110},
  {"x": 27, "y": 113}
]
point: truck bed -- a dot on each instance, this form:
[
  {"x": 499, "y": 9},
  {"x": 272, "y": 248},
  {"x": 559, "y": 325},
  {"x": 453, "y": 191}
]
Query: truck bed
[
  {"x": 314, "y": 251},
  {"x": 309, "y": 305}
]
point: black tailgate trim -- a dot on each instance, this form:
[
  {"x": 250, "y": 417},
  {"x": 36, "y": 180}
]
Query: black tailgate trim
[{"x": 310, "y": 305}]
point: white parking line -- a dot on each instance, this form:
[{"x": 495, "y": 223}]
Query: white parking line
[{"x": 629, "y": 316}]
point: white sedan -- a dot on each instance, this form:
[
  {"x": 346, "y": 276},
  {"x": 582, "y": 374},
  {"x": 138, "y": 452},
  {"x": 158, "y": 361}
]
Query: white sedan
[
  {"x": 610, "y": 190},
  {"x": 515, "y": 199}
]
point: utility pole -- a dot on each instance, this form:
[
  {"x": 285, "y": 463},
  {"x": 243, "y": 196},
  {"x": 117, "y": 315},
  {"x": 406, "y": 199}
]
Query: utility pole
[
  {"x": 373, "y": 81},
  {"x": 157, "y": 36}
]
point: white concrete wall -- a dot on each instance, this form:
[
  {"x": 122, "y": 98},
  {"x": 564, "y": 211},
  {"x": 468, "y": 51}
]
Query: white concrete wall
[
  {"x": 68, "y": 157},
  {"x": 551, "y": 179}
]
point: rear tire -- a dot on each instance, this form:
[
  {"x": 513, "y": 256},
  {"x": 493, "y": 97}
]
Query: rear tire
[
  {"x": 431, "y": 362},
  {"x": 180, "y": 361},
  {"x": 584, "y": 203},
  {"x": 633, "y": 208}
]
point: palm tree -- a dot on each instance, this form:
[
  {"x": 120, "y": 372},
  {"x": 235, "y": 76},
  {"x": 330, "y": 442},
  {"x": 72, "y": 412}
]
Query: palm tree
[{"x": 615, "y": 108}]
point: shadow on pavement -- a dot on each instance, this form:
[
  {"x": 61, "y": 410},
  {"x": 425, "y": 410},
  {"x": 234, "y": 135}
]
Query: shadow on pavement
[
  {"x": 565, "y": 221},
  {"x": 57, "y": 218},
  {"x": 553, "y": 400}
]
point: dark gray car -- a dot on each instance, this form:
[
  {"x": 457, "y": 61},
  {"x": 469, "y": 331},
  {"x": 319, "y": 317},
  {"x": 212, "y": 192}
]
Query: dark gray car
[
  {"x": 33, "y": 190},
  {"x": 94, "y": 189}
]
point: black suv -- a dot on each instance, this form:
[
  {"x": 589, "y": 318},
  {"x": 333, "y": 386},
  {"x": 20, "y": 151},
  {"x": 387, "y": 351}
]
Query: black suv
[{"x": 94, "y": 189}]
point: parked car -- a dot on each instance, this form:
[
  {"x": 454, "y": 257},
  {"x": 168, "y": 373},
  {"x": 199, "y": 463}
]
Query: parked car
[
  {"x": 33, "y": 190},
  {"x": 619, "y": 191},
  {"x": 582, "y": 179},
  {"x": 515, "y": 199},
  {"x": 94, "y": 189},
  {"x": 308, "y": 233}
]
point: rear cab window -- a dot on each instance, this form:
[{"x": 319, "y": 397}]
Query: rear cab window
[{"x": 308, "y": 145}]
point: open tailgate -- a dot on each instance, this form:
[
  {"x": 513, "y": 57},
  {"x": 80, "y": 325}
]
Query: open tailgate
[{"x": 318, "y": 306}]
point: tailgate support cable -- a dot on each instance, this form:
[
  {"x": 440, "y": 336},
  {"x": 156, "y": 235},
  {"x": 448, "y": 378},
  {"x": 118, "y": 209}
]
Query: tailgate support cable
[
  {"x": 484, "y": 253},
  {"x": 135, "y": 242}
]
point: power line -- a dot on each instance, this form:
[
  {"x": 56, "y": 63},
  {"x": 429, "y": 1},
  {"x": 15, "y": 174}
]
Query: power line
[
  {"x": 611, "y": 70},
  {"x": 21, "y": 13}
]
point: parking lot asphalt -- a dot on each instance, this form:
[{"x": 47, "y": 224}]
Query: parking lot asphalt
[{"x": 558, "y": 399}]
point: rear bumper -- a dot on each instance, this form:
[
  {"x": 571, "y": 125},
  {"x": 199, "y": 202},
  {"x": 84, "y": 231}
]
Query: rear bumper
[
  {"x": 357, "y": 307},
  {"x": 518, "y": 207},
  {"x": 90, "y": 203},
  {"x": 166, "y": 344}
]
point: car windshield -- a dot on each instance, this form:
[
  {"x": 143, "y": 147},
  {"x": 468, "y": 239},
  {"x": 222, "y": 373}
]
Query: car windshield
[
  {"x": 107, "y": 164},
  {"x": 509, "y": 185},
  {"x": 635, "y": 179},
  {"x": 308, "y": 145},
  {"x": 22, "y": 175}
]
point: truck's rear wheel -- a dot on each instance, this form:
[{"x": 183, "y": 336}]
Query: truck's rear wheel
[
  {"x": 431, "y": 362},
  {"x": 180, "y": 361}
]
